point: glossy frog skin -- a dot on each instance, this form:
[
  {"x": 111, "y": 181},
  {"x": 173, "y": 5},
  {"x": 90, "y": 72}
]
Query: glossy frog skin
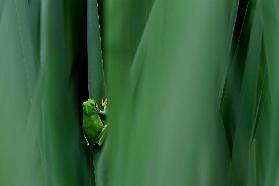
[{"x": 93, "y": 126}]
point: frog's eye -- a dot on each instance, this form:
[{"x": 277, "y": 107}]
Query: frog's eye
[{"x": 92, "y": 104}]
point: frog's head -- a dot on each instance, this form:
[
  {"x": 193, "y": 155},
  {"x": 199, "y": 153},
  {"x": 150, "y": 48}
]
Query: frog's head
[{"x": 90, "y": 107}]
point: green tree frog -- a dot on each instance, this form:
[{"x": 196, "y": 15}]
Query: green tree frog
[{"x": 93, "y": 126}]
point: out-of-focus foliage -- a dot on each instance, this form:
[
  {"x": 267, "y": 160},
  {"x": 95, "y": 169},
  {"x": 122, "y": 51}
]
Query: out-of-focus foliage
[
  {"x": 193, "y": 90},
  {"x": 40, "y": 57},
  {"x": 163, "y": 77}
]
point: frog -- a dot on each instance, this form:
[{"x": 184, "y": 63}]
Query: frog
[{"x": 94, "y": 127}]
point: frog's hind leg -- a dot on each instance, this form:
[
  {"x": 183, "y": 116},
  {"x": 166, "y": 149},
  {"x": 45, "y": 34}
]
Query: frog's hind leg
[{"x": 102, "y": 136}]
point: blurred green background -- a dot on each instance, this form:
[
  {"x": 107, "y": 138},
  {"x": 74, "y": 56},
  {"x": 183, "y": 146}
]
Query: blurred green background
[{"x": 192, "y": 88}]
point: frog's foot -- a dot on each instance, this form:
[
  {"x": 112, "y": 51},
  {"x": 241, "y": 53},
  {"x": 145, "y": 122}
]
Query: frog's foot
[
  {"x": 102, "y": 136},
  {"x": 86, "y": 140},
  {"x": 104, "y": 104}
]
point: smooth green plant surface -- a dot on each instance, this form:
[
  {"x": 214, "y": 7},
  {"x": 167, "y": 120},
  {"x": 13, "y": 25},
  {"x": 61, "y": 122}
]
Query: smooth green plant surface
[
  {"x": 194, "y": 88},
  {"x": 40, "y": 50},
  {"x": 193, "y": 92},
  {"x": 164, "y": 84}
]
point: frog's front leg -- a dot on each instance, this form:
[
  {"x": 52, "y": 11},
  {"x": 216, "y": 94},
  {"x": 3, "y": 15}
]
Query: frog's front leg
[
  {"x": 102, "y": 135},
  {"x": 104, "y": 104}
]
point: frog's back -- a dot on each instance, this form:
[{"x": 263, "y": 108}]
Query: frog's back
[{"x": 92, "y": 126}]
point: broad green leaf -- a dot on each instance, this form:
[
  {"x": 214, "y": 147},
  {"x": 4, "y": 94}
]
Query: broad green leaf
[
  {"x": 17, "y": 77},
  {"x": 41, "y": 141},
  {"x": 162, "y": 81},
  {"x": 96, "y": 84},
  {"x": 267, "y": 133}
]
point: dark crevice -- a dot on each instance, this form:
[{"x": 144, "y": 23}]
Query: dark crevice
[
  {"x": 241, "y": 38},
  {"x": 75, "y": 15}
]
